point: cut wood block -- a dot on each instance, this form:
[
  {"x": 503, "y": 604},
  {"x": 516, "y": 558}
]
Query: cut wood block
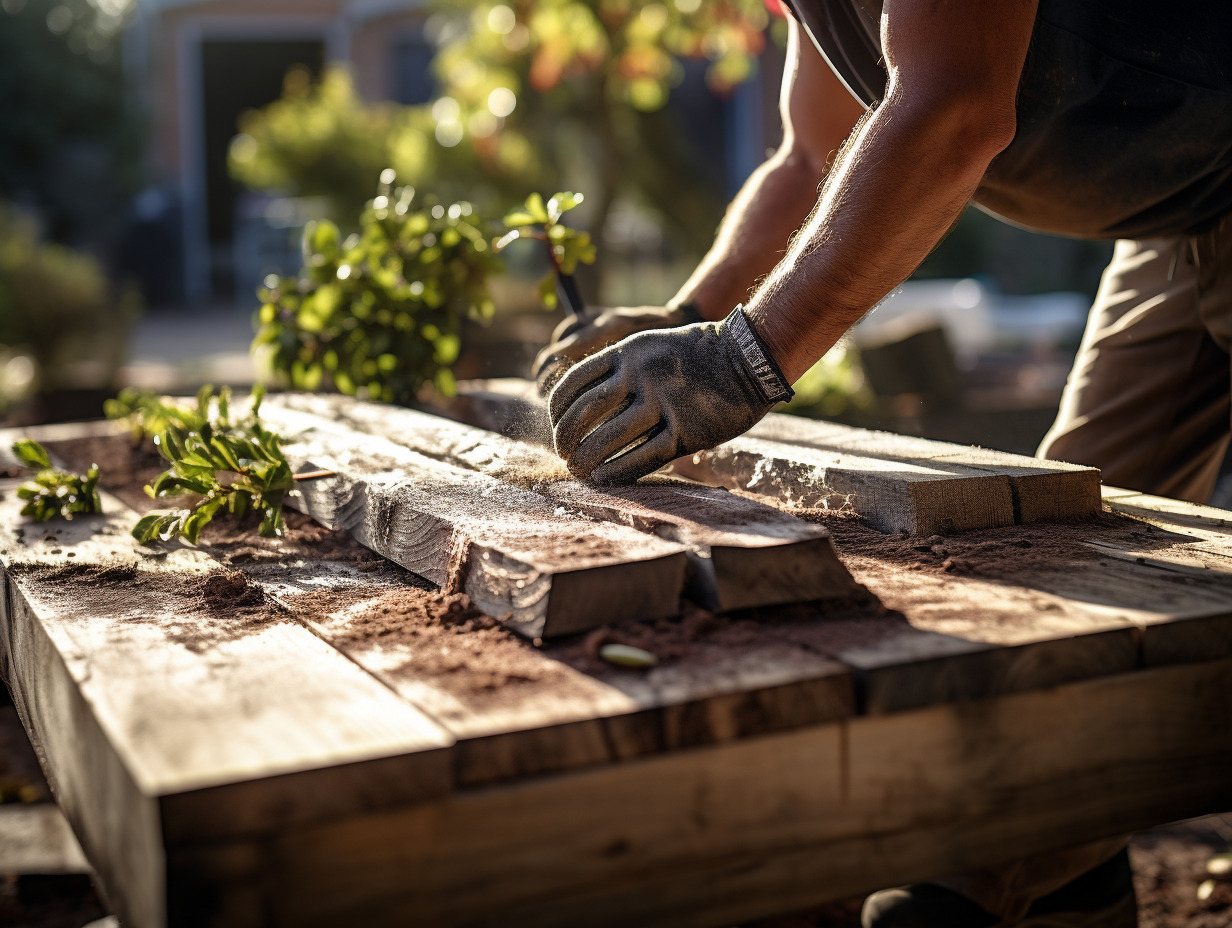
[
  {"x": 893, "y": 481},
  {"x": 156, "y": 717},
  {"x": 742, "y": 554},
  {"x": 1043, "y": 491},
  {"x": 892, "y": 496},
  {"x": 521, "y": 558}
]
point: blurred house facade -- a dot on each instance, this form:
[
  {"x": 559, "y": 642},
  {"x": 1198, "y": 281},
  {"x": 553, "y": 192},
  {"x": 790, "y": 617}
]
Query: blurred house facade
[{"x": 197, "y": 65}]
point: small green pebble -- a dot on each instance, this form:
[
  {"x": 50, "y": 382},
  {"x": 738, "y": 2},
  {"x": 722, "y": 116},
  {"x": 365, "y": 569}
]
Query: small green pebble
[
  {"x": 1206, "y": 889},
  {"x": 627, "y": 656}
]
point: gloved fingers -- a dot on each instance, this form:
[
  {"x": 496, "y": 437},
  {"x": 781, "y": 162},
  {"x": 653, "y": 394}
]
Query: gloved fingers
[
  {"x": 590, "y": 410},
  {"x": 611, "y": 437},
  {"x": 548, "y": 368},
  {"x": 578, "y": 379},
  {"x": 580, "y": 343},
  {"x": 661, "y": 448}
]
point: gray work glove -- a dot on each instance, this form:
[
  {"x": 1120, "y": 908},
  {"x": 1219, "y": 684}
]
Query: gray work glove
[
  {"x": 667, "y": 393},
  {"x": 578, "y": 338}
]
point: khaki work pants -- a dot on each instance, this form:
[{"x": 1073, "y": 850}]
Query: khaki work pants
[
  {"x": 1148, "y": 399},
  {"x": 1148, "y": 402}
]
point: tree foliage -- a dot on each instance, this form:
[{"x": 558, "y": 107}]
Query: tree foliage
[
  {"x": 380, "y": 313},
  {"x": 530, "y": 94},
  {"x": 56, "y": 305}
]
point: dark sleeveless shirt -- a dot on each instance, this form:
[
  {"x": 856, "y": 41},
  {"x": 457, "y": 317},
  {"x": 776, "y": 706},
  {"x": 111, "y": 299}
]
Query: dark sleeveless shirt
[{"x": 1124, "y": 112}]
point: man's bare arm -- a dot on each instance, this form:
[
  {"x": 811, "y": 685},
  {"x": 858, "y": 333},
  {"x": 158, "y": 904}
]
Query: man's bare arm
[
  {"x": 906, "y": 173},
  {"x": 779, "y": 195}
]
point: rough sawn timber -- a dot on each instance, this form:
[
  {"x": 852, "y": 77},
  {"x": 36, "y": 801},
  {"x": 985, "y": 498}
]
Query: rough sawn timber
[
  {"x": 520, "y": 557},
  {"x": 896, "y": 483},
  {"x": 742, "y": 554},
  {"x": 157, "y": 720}
]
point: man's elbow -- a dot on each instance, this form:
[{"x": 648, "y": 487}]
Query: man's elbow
[{"x": 975, "y": 123}]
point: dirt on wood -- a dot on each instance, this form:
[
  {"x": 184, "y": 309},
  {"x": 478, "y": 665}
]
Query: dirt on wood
[{"x": 123, "y": 467}]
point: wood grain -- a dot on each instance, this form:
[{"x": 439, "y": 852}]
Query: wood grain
[
  {"x": 775, "y": 824},
  {"x": 140, "y": 702},
  {"x": 896, "y": 482},
  {"x": 1042, "y": 491},
  {"x": 521, "y": 558},
  {"x": 741, "y": 554}
]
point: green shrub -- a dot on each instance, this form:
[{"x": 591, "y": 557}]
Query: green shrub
[
  {"x": 57, "y": 307},
  {"x": 380, "y": 313}
]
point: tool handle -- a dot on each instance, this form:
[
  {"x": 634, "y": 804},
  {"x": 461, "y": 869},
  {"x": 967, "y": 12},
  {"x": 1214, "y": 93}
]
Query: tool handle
[{"x": 569, "y": 294}]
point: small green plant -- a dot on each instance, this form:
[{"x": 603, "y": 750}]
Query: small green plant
[
  {"x": 380, "y": 314},
  {"x": 566, "y": 247},
  {"x": 232, "y": 466},
  {"x": 52, "y": 492}
]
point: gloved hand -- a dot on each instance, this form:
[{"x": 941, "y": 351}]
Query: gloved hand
[
  {"x": 666, "y": 393},
  {"x": 578, "y": 338}
]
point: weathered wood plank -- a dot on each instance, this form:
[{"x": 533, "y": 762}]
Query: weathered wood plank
[
  {"x": 553, "y": 708},
  {"x": 896, "y": 482},
  {"x": 742, "y": 554},
  {"x": 157, "y": 717},
  {"x": 775, "y": 824},
  {"x": 520, "y": 558},
  {"x": 1042, "y": 491}
]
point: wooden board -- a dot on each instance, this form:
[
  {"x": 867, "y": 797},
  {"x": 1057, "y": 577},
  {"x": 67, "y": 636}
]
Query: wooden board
[
  {"x": 741, "y": 554},
  {"x": 896, "y": 483},
  {"x": 707, "y": 837},
  {"x": 155, "y": 717},
  {"x": 815, "y": 753},
  {"x": 520, "y": 557},
  {"x": 1041, "y": 491}
]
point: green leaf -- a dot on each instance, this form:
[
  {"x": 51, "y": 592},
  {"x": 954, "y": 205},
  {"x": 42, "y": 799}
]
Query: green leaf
[
  {"x": 561, "y": 203},
  {"x": 31, "y": 453},
  {"x": 534, "y": 206},
  {"x": 519, "y": 217},
  {"x": 147, "y": 527}
]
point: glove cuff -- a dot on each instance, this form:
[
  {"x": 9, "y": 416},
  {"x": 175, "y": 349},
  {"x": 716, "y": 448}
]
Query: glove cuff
[{"x": 768, "y": 375}]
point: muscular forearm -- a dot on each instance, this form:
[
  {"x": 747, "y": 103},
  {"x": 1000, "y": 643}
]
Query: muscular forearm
[
  {"x": 771, "y": 206},
  {"x": 890, "y": 197}
]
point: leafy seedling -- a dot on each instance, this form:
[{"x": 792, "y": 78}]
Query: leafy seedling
[
  {"x": 566, "y": 247},
  {"x": 53, "y": 493},
  {"x": 232, "y": 467}
]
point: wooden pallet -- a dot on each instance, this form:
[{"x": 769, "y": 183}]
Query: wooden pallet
[{"x": 224, "y": 769}]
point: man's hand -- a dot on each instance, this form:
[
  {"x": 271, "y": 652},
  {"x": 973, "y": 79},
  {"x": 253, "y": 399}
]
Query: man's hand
[
  {"x": 575, "y": 339},
  {"x": 655, "y": 396}
]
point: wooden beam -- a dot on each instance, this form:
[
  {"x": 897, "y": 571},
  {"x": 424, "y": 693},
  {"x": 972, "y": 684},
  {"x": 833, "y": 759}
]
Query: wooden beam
[
  {"x": 741, "y": 554},
  {"x": 520, "y": 558},
  {"x": 896, "y": 483},
  {"x": 142, "y": 703},
  {"x": 775, "y": 824},
  {"x": 1042, "y": 491}
]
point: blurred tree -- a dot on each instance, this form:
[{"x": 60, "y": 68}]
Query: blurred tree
[
  {"x": 532, "y": 94},
  {"x": 57, "y": 309},
  {"x": 67, "y": 141}
]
